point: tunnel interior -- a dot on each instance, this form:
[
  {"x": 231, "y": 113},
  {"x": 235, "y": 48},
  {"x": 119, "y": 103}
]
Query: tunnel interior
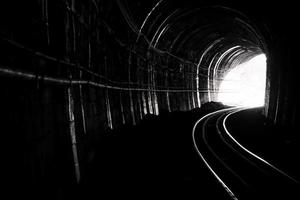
[
  {"x": 202, "y": 44},
  {"x": 75, "y": 72}
]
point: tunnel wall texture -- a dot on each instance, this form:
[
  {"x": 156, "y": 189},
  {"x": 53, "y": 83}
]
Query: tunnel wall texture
[
  {"x": 73, "y": 70},
  {"x": 70, "y": 72}
]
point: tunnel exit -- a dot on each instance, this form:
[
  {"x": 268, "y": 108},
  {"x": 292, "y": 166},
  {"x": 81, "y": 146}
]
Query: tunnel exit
[{"x": 244, "y": 85}]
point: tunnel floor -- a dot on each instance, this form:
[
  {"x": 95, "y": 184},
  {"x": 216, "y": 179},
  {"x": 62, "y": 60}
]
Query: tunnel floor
[
  {"x": 278, "y": 145},
  {"x": 157, "y": 158}
]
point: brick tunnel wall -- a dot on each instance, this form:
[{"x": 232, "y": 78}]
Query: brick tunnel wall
[{"x": 65, "y": 80}]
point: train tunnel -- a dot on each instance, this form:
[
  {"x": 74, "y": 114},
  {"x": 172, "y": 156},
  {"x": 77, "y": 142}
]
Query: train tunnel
[{"x": 74, "y": 73}]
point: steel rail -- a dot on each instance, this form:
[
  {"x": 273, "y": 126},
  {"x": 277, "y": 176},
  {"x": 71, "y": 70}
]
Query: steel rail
[
  {"x": 251, "y": 153},
  {"x": 223, "y": 184}
]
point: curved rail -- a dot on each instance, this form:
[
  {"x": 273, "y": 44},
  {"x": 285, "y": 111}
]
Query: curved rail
[
  {"x": 247, "y": 173},
  {"x": 251, "y": 153},
  {"x": 227, "y": 189}
]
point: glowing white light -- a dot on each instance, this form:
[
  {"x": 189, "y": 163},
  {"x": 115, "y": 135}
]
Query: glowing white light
[{"x": 245, "y": 84}]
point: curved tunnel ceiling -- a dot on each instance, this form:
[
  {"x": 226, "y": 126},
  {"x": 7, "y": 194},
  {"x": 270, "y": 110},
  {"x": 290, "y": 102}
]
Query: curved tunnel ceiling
[{"x": 206, "y": 40}]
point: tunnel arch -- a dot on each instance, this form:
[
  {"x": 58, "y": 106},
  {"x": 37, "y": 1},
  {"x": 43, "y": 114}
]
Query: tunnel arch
[{"x": 200, "y": 43}]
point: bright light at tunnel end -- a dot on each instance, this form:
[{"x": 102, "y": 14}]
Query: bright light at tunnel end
[{"x": 244, "y": 85}]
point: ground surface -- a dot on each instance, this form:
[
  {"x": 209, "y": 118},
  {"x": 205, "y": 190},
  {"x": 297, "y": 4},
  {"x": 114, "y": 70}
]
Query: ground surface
[{"x": 157, "y": 157}]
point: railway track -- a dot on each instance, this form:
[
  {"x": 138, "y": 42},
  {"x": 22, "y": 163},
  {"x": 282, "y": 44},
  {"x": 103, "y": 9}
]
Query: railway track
[{"x": 242, "y": 173}]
